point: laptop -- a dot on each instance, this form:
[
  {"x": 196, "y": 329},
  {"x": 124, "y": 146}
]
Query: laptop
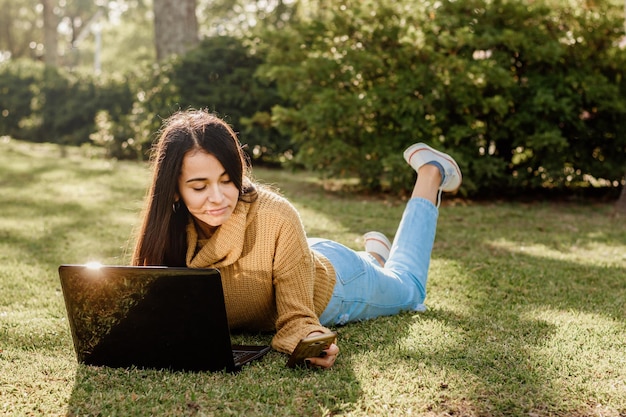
[{"x": 151, "y": 317}]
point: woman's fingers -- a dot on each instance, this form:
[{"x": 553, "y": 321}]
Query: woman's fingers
[{"x": 326, "y": 361}]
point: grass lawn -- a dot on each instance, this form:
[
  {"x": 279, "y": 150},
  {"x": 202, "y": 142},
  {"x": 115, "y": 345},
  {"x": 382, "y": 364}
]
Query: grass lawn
[{"x": 526, "y": 308}]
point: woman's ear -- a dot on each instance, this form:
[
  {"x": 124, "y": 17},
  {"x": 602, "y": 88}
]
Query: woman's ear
[{"x": 176, "y": 203}]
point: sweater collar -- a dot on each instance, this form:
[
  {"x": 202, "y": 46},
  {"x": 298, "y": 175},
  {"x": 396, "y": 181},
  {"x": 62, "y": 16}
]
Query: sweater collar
[{"x": 224, "y": 247}]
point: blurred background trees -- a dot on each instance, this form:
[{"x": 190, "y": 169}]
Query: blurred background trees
[
  {"x": 175, "y": 27},
  {"x": 527, "y": 95}
]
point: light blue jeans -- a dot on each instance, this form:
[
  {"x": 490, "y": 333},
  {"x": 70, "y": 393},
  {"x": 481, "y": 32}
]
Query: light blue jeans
[{"x": 364, "y": 289}]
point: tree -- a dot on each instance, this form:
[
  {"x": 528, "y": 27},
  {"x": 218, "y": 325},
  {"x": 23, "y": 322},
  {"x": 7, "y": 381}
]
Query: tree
[
  {"x": 620, "y": 205},
  {"x": 175, "y": 27},
  {"x": 20, "y": 33},
  {"x": 50, "y": 34},
  {"x": 241, "y": 17}
]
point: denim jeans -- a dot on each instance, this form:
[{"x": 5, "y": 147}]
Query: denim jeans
[{"x": 364, "y": 289}]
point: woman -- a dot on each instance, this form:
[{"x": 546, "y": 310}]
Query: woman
[{"x": 203, "y": 210}]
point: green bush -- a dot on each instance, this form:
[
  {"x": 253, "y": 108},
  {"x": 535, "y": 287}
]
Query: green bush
[
  {"x": 523, "y": 94},
  {"x": 545, "y": 94},
  {"x": 66, "y": 105},
  {"x": 47, "y": 104},
  {"x": 219, "y": 75},
  {"x": 16, "y": 94},
  {"x": 155, "y": 98}
]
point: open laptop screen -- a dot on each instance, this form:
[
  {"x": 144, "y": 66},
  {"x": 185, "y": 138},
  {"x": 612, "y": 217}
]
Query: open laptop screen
[{"x": 153, "y": 317}]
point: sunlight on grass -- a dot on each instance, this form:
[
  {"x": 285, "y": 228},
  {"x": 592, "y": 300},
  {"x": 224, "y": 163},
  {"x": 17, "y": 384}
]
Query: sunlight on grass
[
  {"x": 413, "y": 388},
  {"x": 585, "y": 353},
  {"x": 586, "y": 253},
  {"x": 321, "y": 223},
  {"x": 445, "y": 278},
  {"x": 44, "y": 385},
  {"x": 441, "y": 335},
  {"x": 35, "y": 332}
]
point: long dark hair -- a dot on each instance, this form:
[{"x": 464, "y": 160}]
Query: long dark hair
[{"x": 162, "y": 238}]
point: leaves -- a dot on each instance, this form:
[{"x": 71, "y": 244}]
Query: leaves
[{"x": 370, "y": 78}]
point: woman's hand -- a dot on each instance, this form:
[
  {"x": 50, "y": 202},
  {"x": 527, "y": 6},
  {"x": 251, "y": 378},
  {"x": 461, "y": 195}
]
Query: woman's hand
[{"x": 326, "y": 361}]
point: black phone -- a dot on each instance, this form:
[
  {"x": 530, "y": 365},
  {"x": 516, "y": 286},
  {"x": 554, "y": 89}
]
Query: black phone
[{"x": 310, "y": 347}]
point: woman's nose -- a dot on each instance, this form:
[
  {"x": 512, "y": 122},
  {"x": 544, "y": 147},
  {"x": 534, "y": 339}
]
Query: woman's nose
[{"x": 215, "y": 194}]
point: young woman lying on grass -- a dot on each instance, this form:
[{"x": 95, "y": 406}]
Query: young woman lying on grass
[{"x": 204, "y": 210}]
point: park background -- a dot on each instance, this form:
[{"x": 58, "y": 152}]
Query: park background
[
  {"x": 527, "y": 287},
  {"x": 526, "y": 95}
]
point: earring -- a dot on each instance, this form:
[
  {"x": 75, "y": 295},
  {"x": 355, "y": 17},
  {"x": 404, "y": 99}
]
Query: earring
[{"x": 176, "y": 206}]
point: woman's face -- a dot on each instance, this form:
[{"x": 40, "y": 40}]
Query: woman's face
[{"x": 206, "y": 189}]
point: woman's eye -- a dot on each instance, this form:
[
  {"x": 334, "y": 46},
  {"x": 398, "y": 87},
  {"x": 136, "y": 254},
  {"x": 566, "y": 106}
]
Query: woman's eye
[{"x": 199, "y": 188}]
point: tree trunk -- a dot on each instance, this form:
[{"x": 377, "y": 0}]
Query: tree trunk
[
  {"x": 175, "y": 27},
  {"x": 620, "y": 205},
  {"x": 50, "y": 34}
]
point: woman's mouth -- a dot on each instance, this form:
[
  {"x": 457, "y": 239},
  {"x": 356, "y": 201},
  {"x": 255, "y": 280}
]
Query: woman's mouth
[{"x": 216, "y": 212}]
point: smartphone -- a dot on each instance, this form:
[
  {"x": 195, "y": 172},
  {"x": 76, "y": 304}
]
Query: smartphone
[{"x": 310, "y": 347}]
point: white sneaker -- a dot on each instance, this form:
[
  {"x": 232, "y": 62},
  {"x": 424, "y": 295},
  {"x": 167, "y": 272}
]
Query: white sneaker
[
  {"x": 378, "y": 243},
  {"x": 419, "y": 154}
]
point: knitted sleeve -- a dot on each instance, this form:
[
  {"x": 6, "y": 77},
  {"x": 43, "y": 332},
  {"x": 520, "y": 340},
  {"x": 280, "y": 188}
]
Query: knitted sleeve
[{"x": 294, "y": 282}]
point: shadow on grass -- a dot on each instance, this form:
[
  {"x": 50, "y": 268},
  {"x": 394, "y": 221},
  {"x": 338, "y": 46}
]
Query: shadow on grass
[
  {"x": 45, "y": 228},
  {"x": 265, "y": 387},
  {"x": 67, "y": 212},
  {"x": 509, "y": 333},
  {"x": 532, "y": 341},
  {"x": 538, "y": 333},
  {"x": 516, "y": 345}
]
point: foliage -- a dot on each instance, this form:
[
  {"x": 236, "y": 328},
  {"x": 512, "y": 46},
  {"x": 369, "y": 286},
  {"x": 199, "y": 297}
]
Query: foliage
[
  {"x": 241, "y": 18},
  {"x": 49, "y": 104},
  {"x": 16, "y": 94},
  {"x": 217, "y": 75},
  {"x": 125, "y": 25},
  {"x": 523, "y": 94},
  {"x": 122, "y": 114},
  {"x": 155, "y": 98},
  {"x": 64, "y": 109},
  {"x": 20, "y": 35},
  {"x": 127, "y": 38},
  {"x": 220, "y": 75}
]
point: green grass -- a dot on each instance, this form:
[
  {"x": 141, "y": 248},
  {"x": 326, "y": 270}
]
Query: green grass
[{"x": 527, "y": 307}]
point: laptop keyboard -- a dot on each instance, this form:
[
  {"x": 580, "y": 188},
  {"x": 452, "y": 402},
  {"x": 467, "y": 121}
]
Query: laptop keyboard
[
  {"x": 238, "y": 355},
  {"x": 243, "y": 354}
]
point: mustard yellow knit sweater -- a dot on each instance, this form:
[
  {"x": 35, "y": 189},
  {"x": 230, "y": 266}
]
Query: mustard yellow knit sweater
[{"x": 272, "y": 279}]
